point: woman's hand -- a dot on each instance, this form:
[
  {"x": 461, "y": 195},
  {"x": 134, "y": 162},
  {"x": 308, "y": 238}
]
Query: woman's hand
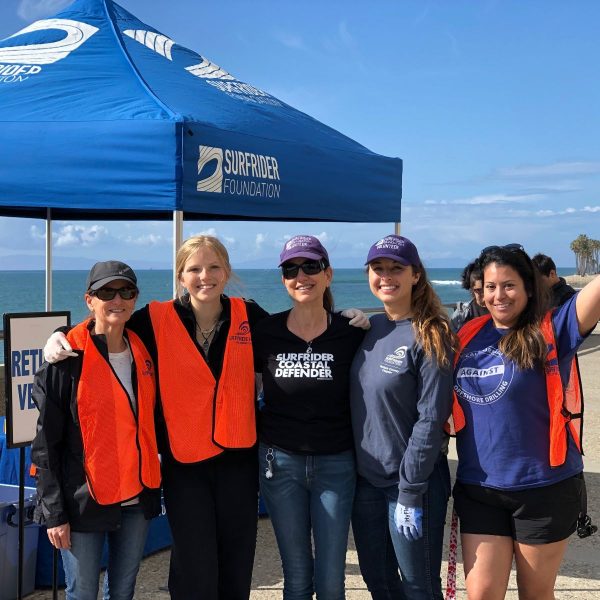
[
  {"x": 357, "y": 318},
  {"x": 409, "y": 521},
  {"x": 60, "y": 536},
  {"x": 57, "y": 348}
]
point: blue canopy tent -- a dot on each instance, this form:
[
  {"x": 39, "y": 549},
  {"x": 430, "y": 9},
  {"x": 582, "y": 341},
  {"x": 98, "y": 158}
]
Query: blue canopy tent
[{"x": 104, "y": 117}]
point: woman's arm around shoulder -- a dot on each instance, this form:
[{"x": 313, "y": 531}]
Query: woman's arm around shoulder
[{"x": 588, "y": 306}]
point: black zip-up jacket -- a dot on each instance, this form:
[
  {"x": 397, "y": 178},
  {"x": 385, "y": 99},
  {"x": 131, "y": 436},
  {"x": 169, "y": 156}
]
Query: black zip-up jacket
[{"x": 57, "y": 452}]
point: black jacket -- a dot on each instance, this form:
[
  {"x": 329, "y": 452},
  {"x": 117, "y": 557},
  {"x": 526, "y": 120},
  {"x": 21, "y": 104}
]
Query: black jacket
[
  {"x": 57, "y": 452},
  {"x": 561, "y": 292}
]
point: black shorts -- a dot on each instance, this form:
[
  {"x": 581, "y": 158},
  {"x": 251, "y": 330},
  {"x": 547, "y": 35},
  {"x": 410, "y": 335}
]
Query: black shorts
[{"x": 538, "y": 515}]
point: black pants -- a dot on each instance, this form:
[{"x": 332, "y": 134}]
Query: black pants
[{"x": 212, "y": 511}]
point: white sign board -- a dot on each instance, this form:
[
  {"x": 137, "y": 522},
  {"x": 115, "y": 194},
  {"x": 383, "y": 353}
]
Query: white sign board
[{"x": 24, "y": 337}]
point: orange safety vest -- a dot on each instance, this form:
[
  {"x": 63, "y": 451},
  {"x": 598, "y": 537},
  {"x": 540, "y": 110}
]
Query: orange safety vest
[
  {"x": 203, "y": 416},
  {"x": 119, "y": 447},
  {"x": 564, "y": 402}
]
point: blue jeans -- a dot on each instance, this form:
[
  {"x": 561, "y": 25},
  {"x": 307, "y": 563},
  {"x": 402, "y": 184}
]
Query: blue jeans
[
  {"x": 310, "y": 492},
  {"x": 382, "y": 550},
  {"x": 125, "y": 548}
]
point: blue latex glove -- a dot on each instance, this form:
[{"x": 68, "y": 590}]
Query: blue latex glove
[{"x": 409, "y": 521}]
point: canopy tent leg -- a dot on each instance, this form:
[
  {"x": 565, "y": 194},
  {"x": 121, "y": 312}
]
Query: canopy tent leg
[
  {"x": 397, "y": 228},
  {"x": 177, "y": 240},
  {"x": 48, "y": 259}
]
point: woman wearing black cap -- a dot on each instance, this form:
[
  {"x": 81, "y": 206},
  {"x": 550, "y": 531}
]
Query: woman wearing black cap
[
  {"x": 401, "y": 396},
  {"x": 307, "y": 467},
  {"x": 98, "y": 473}
]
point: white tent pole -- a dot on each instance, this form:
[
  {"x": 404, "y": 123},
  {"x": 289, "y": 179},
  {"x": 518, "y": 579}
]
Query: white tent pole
[
  {"x": 397, "y": 228},
  {"x": 48, "y": 259},
  {"x": 177, "y": 239}
]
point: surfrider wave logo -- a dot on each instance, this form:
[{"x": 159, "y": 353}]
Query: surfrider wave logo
[
  {"x": 234, "y": 172},
  {"x": 393, "y": 362},
  {"x": 18, "y": 63},
  {"x": 483, "y": 376},
  {"x": 214, "y": 182},
  {"x": 242, "y": 336},
  {"x": 210, "y": 72}
]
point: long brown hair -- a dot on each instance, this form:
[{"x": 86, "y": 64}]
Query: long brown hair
[
  {"x": 524, "y": 344},
  {"x": 430, "y": 321}
]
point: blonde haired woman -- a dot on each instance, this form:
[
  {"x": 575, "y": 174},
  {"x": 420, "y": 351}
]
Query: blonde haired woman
[{"x": 401, "y": 397}]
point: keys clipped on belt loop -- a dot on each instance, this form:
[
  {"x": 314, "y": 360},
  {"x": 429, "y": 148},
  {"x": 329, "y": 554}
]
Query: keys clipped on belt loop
[{"x": 270, "y": 458}]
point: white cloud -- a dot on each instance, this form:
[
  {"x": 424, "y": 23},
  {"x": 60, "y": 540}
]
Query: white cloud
[
  {"x": 30, "y": 10},
  {"x": 260, "y": 240},
  {"x": 345, "y": 36},
  {"x": 592, "y": 209},
  {"x": 552, "y": 170},
  {"x": 290, "y": 40},
  {"x": 489, "y": 199},
  {"x": 148, "y": 239},
  {"x": 79, "y": 235},
  {"x": 37, "y": 233}
]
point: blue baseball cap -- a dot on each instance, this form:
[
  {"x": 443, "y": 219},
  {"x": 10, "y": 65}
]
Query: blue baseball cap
[{"x": 395, "y": 247}]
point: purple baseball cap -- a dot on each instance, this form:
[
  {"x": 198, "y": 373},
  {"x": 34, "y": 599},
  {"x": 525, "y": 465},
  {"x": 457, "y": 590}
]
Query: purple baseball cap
[
  {"x": 395, "y": 247},
  {"x": 303, "y": 246}
]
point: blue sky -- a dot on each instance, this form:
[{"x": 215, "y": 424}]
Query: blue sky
[{"x": 492, "y": 105}]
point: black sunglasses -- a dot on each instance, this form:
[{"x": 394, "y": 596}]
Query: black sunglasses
[
  {"x": 309, "y": 267},
  {"x": 509, "y": 247},
  {"x": 104, "y": 293}
]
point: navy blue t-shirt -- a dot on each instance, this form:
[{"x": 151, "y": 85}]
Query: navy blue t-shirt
[{"x": 505, "y": 443}]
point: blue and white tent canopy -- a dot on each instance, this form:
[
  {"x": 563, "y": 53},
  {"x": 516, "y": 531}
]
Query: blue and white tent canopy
[{"x": 103, "y": 116}]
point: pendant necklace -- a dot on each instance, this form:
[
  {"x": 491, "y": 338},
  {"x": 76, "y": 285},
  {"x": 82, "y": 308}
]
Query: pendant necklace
[{"x": 206, "y": 335}]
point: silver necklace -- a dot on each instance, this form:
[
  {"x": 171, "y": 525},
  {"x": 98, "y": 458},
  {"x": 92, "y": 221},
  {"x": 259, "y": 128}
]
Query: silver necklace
[{"x": 206, "y": 334}]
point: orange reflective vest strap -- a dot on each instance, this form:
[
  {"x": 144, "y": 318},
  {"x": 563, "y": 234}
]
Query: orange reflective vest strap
[
  {"x": 465, "y": 334},
  {"x": 564, "y": 402},
  {"x": 235, "y": 412},
  {"x": 120, "y": 453}
]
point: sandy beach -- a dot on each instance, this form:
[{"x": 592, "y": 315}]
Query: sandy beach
[
  {"x": 579, "y": 577},
  {"x": 578, "y": 281}
]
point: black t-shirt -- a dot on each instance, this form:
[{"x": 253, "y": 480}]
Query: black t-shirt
[{"x": 306, "y": 386}]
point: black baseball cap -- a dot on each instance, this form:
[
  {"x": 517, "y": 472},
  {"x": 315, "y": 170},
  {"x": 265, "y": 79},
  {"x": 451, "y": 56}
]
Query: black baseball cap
[{"x": 107, "y": 271}]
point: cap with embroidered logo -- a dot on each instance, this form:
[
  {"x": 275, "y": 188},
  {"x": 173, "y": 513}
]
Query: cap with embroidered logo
[
  {"x": 395, "y": 247},
  {"x": 303, "y": 246}
]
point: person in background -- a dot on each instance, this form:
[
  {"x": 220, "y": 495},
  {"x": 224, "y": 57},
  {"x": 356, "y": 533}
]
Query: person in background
[
  {"x": 401, "y": 396},
  {"x": 519, "y": 478},
  {"x": 471, "y": 280},
  {"x": 95, "y": 451},
  {"x": 306, "y": 456},
  {"x": 560, "y": 291}
]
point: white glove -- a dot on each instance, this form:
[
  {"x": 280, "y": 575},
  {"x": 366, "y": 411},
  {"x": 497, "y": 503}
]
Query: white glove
[
  {"x": 357, "y": 318},
  {"x": 57, "y": 348},
  {"x": 409, "y": 521}
]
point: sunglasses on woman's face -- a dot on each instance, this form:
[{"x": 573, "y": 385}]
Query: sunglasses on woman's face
[
  {"x": 509, "y": 247},
  {"x": 309, "y": 267},
  {"x": 105, "y": 293}
]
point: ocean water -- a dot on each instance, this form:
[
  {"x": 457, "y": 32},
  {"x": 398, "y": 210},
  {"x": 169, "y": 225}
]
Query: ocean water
[{"x": 24, "y": 291}]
